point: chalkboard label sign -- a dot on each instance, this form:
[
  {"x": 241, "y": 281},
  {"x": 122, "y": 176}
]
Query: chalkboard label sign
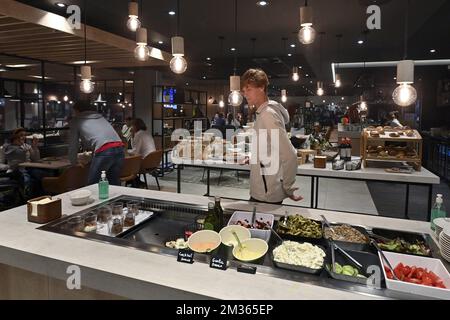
[
  {"x": 218, "y": 262},
  {"x": 186, "y": 256},
  {"x": 246, "y": 269}
]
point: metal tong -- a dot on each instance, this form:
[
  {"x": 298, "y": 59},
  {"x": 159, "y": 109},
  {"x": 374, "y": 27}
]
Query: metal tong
[
  {"x": 374, "y": 243},
  {"x": 335, "y": 246}
]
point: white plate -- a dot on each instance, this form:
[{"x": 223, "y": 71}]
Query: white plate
[{"x": 80, "y": 204}]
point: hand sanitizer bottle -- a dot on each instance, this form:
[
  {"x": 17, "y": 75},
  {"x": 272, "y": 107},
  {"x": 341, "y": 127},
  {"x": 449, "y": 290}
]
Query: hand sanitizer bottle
[
  {"x": 438, "y": 210},
  {"x": 103, "y": 187}
]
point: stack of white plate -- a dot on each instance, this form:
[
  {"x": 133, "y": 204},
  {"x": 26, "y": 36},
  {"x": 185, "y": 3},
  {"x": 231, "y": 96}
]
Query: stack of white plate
[
  {"x": 444, "y": 242},
  {"x": 440, "y": 224}
]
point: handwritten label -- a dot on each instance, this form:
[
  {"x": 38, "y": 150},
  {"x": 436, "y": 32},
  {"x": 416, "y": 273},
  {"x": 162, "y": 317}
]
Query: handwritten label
[
  {"x": 218, "y": 262},
  {"x": 186, "y": 256}
]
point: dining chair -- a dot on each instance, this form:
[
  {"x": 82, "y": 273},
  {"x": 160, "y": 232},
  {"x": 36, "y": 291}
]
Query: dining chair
[{"x": 150, "y": 165}]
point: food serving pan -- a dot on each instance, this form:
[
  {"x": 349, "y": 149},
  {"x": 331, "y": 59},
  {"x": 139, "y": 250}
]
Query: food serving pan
[
  {"x": 407, "y": 236},
  {"x": 346, "y": 245},
  {"x": 317, "y": 241},
  {"x": 369, "y": 261},
  {"x": 292, "y": 267}
]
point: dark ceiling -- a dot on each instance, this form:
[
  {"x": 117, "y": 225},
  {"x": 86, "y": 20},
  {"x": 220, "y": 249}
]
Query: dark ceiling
[{"x": 203, "y": 21}]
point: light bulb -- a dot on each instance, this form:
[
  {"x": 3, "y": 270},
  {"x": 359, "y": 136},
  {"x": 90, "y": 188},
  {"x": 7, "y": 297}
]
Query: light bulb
[
  {"x": 283, "y": 98},
  {"x": 307, "y": 34},
  {"x": 142, "y": 52},
  {"x": 320, "y": 92},
  {"x": 133, "y": 23},
  {"x": 87, "y": 86},
  {"x": 295, "y": 76},
  {"x": 221, "y": 104},
  {"x": 363, "y": 106},
  {"x": 404, "y": 95},
  {"x": 178, "y": 64},
  {"x": 338, "y": 83},
  {"x": 66, "y": 98},
  {"x": 235, "y": 98}
]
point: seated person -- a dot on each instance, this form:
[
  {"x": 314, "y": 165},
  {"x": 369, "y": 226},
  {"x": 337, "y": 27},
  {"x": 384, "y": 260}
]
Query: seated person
[
  {"x": 142, "y": 143},
  {"x": 220, "y": 121},
  {"x": 17, "y": 151},
  {"x": 231, "y": 121}
]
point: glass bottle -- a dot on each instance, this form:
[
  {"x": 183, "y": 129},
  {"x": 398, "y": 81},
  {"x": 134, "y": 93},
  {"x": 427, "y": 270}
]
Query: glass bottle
[
  {"x": 438, "y": 210},
  {"x": 212, "y": 220},
  {"x": 219, "y": 211},
  {"x": 103, "y": 187}
]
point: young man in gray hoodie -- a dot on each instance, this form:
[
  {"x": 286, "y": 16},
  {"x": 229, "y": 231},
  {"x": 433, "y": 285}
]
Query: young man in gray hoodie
[
  {"x": 97, "y": 134},
  {"x": 272, "y": 176}
]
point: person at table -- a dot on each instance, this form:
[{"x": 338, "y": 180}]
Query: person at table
[
  {"x": 394, "y": 122},
  {"x": 277, "y": 184},
  {"x": 126, "y": 129},
  {"x": 17, "y": 151},
  {"x": 142, "y": 142},
  {"x": 231, "y": 121},
  {"x": 97, "y": 134}
]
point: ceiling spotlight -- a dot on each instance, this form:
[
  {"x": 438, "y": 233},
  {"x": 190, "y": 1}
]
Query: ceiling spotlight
[
  {"x": 208, "y": 58},
  {"x": 204, "y": 77},
  {"x": 262, "y": 3},
  {"x": 306, "y": 75},
  {"x": 342, "y": 98},
  {"x": 61, "y": 5},
  {"x": 292, "y": 45},
  {"x": 160, "y": 42},
  {"x": 233, "y": 49},
  {"x": 171, "y": 13},
  {"x": 432, "y": 50},
  {"x": 360, "y": 41},
  {"x": 289, "y": 54}
]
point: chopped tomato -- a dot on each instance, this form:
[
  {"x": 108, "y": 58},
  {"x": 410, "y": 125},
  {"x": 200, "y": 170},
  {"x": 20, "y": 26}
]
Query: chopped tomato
[{"x": 416, "y": 275}]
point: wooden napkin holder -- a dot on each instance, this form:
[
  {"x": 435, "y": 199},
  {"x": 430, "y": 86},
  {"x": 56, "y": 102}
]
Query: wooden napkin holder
[
  {"x": 320, "y": 162},
  {"x": 44, "y": 212}
]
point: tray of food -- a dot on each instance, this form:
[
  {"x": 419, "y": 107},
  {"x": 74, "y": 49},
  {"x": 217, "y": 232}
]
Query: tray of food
[
  {"x": 345, "y": 270},
  {"x": 260, "y": 229},
  {"x": 302, "y": 257},
  {"x": 348, "y": 237},
  {"x": 298, "y": 228},
  {"x": 424, "y": 276},
  {"x": 401, "y": 242}
]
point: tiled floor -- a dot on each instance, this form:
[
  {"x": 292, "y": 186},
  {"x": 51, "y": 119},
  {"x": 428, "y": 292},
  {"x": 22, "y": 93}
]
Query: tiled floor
[{"x": 333, "y": 194}]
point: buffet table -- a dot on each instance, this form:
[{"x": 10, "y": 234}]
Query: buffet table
[
  {"x": 420, "y": 178},
  {"x": 39, "y": 259}
]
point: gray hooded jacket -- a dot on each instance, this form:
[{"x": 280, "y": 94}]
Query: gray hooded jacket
[
  {"x": 93, "y": 130},
  {"x": 272, "y": 176}
]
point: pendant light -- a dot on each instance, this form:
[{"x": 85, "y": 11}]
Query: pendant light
[
  {"x": 178, "y": 63},
  {"x": 235, "y": 98},
  {"x": 306, "y": 34},
  {"x": 142, "y": 52},
  {"x": 86, "y": 86},
  {"x": 320, "y": 91},
  {"x": 283, "y": 96},
  {"x": 221, "y": 101},
  {"x": 133, "y": 23},
  {"x": 405, "y": 94},
  {"x": 362, "y": 104},
  {"x": 295, "y": 76},
  {"x": 338, "y": 82}
]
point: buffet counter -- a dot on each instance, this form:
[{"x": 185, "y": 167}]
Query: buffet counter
[
  {"x": 38, "y": 261},
  {"x": 422, "y": 177}
]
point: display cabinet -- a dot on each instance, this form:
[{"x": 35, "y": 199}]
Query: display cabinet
[{"x": 387, "y": 144}]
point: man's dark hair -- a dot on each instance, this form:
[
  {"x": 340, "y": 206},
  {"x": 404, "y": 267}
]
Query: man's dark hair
[
  {"x": 139, "y": 124},
  {"x": 83, "y": 105}
]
